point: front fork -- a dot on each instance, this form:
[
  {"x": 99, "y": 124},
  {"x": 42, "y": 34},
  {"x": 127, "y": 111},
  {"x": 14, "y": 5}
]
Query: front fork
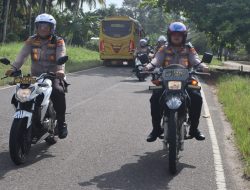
[
  {"x": 165, "y": 128},
  {"x": 181, "y": 132}
]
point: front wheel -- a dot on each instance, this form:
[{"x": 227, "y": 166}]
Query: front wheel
[
  {"x": 19, "y": 141},
  {"x": 141, "y": 79},
  {"x": 131, "y": 63},
  {"x": 173, "y": 152}
]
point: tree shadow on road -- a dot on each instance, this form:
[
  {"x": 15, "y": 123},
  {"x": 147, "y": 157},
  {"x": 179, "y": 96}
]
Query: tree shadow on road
[
  {"x": 37, "y": 153},
  {"x": 150, "y": 172}
]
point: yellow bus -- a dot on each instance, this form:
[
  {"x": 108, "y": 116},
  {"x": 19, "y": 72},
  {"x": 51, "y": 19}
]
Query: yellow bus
[{"x": 119, "y": 37}]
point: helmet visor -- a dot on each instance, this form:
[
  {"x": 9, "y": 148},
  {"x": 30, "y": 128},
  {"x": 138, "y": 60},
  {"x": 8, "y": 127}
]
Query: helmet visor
[
  {"x": 177, "y": 34},
  {"x": 43, "y": 26}
]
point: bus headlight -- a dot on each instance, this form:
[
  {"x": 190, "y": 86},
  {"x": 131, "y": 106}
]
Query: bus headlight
[
  {"x": 23, "y": 94},
  {"x": 174, "y": 85}
]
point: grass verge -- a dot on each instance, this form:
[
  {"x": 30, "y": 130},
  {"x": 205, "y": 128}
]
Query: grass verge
[
  {"x": 79, "y": 59},
  {"x": 234, "y": 94},
  {"x": 216, "y": 62}
]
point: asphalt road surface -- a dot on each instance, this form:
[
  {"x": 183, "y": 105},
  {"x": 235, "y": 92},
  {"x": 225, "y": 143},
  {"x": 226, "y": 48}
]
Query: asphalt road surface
[{"x": 109, "y": 119}]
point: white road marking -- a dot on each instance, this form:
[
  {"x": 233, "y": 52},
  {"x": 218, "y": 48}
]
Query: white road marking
[
  {"x": 219, "y": 171},
  {"x": 94, "y": 68},
  {"x": 6, "y": 87}
]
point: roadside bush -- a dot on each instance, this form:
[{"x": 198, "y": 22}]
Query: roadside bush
[
  {"x": 11, "y": 37},
  {"x": 92, "y": 45}
]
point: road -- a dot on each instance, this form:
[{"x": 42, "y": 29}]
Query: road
[
  {"x": 237, "y": 65},
  {"x": 109, "y": 119},
  {"x": 234, "y": 66}
]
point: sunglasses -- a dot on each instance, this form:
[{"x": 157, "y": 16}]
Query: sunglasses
[
  {"x": 177, "y": 34},
  {"x": 43, "y": 26}
]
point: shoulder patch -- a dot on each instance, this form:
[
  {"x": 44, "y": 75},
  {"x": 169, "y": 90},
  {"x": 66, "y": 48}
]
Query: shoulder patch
[
  {"x": 30, "y": 40},
  {"x": 193, "y": 50},
  {"x": 189, "y": 45},
  {"x": 59, "y": 42},
  {"x": 161, "y": 49},
  {"x": 168, "y": 50}
]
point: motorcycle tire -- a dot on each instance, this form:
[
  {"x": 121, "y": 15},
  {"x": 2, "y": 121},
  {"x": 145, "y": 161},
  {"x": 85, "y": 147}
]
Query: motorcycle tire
[
  {"x": 141, "y": 79},
  {"x": 19, "y": 142},
  {"x": 172, "y": 136}
]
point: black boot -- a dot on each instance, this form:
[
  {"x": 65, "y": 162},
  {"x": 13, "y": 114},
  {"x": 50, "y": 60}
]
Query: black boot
[
  {"x": 62, "y": 130},
  {"x": 195, "y": 133},
  {"x": 156, "y": 132}
]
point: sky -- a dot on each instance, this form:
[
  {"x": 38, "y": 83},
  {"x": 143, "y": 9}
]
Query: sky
[{"x": 118, "y": 3}]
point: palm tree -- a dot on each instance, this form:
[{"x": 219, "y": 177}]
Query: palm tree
[
  {"x": 74, "y": 5},
  {"x": 6, "y": 16}
]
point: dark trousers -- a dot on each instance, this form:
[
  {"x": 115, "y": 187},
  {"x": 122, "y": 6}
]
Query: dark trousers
[
  {"x": 194, "y": 109},
  {"x": 57, "y": 97}
]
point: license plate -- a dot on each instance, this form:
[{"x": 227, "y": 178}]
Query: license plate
[
  {"x": 25, "y": 80},
  {"x": 175, "y": 74}
]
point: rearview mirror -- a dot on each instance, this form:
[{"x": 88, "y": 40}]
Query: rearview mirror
[
  {"x": 62, "y": 60},
  {"x": 207, "y": 58},
  {"x": 5, "y": 61}
]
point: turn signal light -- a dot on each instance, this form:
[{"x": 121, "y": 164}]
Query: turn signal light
[
  {"x": 194, "y": 82},
  {"x": 101, "y": 46},
  {"x": 131, "y": 46}
]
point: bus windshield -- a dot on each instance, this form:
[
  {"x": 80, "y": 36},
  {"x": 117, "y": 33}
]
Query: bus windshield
[{"x": 117, "y": 28}]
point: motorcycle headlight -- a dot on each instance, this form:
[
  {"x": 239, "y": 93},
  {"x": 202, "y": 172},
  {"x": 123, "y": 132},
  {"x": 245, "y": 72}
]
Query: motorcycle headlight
[
  {"x": 23, "y": 94},
  {"x": 174, "y": 85},
  {"x": 174, "y": 103}
]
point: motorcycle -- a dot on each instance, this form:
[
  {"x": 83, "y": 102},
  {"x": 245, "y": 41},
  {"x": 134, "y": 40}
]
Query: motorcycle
[
  {"x": 140, "y": 61},
  {"x": 25, "y": 129},
  {"x": 174, "y": 81}
]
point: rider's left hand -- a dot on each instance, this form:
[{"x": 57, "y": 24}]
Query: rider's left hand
[{"x": 60, "y": 74}]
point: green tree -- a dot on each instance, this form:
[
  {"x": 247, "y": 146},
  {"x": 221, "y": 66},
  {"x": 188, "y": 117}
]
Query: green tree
[{"x": 224, "y": 22}]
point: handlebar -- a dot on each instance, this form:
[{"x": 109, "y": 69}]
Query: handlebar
[
  {"x": 199, "y": 73},
  {"x": 194, "y": 72},
  {"x": 14, "y": 74}
]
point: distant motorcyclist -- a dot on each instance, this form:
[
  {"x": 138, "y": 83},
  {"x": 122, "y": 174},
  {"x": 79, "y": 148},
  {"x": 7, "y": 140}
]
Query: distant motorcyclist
[
  {"x": 143, "y": 47},
  {"x": 45, "y": 49},
  {"x": 161, "y": 41},
  {"x": 177, "y": 52}
]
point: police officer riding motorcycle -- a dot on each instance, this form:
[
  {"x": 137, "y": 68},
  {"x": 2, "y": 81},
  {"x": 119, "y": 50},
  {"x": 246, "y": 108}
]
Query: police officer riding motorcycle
[
  {"x": 177, "y": 51},
  {"x": 45, "y": 49},
  {"x": 161, "y": 41},
  {"x": 142, "y": 58}
]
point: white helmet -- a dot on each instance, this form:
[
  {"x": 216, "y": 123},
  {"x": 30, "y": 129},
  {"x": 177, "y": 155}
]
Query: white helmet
[
  {"x": 162, "y": 39},
  {"x": 47, "y": 19},
  {"x": 143, "y": 43}
]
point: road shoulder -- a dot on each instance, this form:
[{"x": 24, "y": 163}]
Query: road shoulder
[{"x": 232, "y": 162}]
